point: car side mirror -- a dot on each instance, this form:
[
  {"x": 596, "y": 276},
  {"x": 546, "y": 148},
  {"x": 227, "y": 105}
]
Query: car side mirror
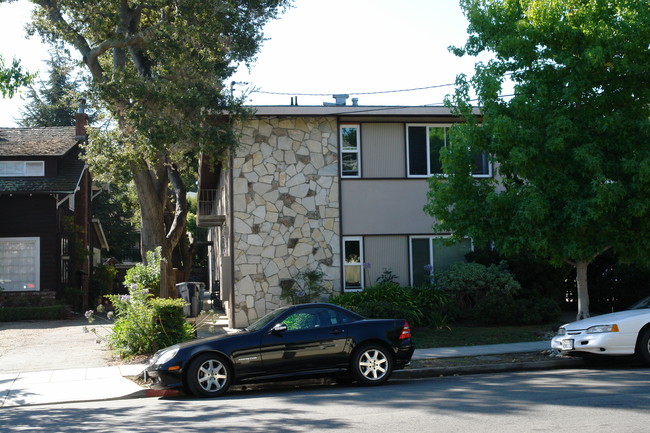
[{"x": 278, "y": 328}]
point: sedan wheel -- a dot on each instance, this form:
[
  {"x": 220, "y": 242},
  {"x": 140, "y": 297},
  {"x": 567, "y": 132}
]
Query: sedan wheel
[
  {"x": 209, "y": 375},
  {"x": 644, "y": 347},
  {"x": 372, "y": 365}
]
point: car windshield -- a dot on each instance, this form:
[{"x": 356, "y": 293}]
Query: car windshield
[
  {"x": 643, "y": 303},
  {"x": 266, "y": 319}
]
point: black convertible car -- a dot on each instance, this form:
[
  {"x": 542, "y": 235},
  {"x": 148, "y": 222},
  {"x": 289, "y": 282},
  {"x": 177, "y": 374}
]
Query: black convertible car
[{"x": 296, "y": 341}]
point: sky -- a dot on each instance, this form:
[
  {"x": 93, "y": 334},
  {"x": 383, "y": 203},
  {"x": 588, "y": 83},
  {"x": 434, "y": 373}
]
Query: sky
[{"x": 366, "y": 48}]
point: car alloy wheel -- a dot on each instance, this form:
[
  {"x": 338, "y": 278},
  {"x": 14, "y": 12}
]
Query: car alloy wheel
[
  {"x": 372, "y": 365},
  {"x": 209, "y": 375}
]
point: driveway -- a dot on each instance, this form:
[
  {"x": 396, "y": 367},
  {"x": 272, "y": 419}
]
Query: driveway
[{"x": 50, "y": 345}]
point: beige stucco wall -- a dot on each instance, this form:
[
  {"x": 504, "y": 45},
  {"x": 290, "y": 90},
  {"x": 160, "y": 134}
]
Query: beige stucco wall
[{"x": 285, "y": 209}]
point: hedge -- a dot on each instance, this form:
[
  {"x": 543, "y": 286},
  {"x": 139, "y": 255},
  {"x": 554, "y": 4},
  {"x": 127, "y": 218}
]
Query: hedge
[{"x": 52, "y": 312}]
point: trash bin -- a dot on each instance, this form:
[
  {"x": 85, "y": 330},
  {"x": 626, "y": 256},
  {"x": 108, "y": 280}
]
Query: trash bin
[
  {"x": 194, "y": 299},
  {"x": 184, "y": 293}
]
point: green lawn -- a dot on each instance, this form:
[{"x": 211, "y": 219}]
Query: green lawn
[{"x": 473, "y": 335}]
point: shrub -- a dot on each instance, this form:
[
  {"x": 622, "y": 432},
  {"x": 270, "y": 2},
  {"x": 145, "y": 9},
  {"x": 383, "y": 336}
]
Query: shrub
[
  {"x": 146, "y": 276},
  {"x": 101, "y": 282},
  {"x": 509, "y": 311},
  {"x": 73, "y": 296},
  {"x": 420, "y": 306},
  {"x": 307, "y": 287},
  {"x": 468, "y": 283},
  {"x": 50, "y": 312},
  {"x": 144, "y": 324}
]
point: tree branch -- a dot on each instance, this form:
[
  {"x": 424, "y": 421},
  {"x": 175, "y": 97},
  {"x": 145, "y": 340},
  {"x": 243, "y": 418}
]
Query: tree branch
[{"x": 177, "y": 228}]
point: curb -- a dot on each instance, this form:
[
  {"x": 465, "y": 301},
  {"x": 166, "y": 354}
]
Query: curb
[{"x": 418, "y": 373}]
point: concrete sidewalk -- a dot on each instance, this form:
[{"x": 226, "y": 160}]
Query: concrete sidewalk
[
  {"x": 105, "y": 383},
  {"x": 63, "y": 386}
]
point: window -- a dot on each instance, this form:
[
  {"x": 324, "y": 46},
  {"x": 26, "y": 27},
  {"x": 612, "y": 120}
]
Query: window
[
  {"x": 430, "y": 254},
  {"x": 350, "y": 151},
  {"x": 20, "y": 264},
  {"x": 353, "y": 264},
  {"x": 22, "y": 168},
  {"x": 65, "y": 260},
  {"x": 424, "y": 143},
  {"x": 315, "y": 317}
]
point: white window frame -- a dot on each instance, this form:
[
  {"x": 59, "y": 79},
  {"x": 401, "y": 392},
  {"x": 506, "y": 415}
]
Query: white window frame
[
  {"x": 431, "y": 257},
  {"x": 37, "y": 263},
  {"x": 353, "y": 264},
  {"x": 428, "y": 151},
  {"x": 349, "y": 150},
  {"x": 22, "y": 168}
]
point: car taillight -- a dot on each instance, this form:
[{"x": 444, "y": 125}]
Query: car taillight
[{"x": 406, "y": 331}]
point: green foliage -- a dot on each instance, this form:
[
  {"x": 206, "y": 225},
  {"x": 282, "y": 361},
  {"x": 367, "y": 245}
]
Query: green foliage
[
  {"x": 12, "y": 78},
  {"x": 145, "y": 276},
  {"x": 144, "y": 324},
  {"x": 420, "y": 306},
  {"x": 298, "y": 321},
  {"x": 73, "y": 296},
  {"x": 117, "y": 209},
  {"x": 538, "y": 278},
  {"x": 101, "y": 282},
  {"x": 494, "y": 310},
  {"x": 572, "y": 143},
  {"x": 159, "y": 70},
  {"x": 387, "y": 277},
  {"x": 56, "y": 101},
  {"x": 307, "y": 287},
  {"x": 467, "y": 283},
  {"x": 490, "y": 295},
  {"x": 50, "y": 312}
]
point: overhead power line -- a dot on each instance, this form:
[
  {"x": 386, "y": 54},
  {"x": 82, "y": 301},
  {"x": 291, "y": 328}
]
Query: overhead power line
[{"x": 354, "y": 93}]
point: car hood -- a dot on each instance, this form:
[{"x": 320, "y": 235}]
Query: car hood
[
  {"x": 206, "y": 340},
  {"x": 605, "y": 319}
]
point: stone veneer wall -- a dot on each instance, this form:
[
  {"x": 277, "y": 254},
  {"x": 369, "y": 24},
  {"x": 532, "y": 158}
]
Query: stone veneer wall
[{"x": 285, "y": 209}]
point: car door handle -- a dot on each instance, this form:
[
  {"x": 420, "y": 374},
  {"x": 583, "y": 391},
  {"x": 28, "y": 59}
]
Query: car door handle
[{"x": 337, "y": 331}]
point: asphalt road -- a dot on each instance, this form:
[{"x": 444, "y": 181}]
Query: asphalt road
[{"x": 599, "y": 400}]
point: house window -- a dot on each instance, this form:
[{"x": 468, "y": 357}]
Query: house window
[
  {"x": 350, "y": 151},
  {"x": 353, "y": 264},
  {"x": 429, "y": 254},
  {"x": 20, "y": 264},
  {"x": 22, "y": 168},
  {"x": 65, "y": 260},
  {"x": 425, "y": 142}
]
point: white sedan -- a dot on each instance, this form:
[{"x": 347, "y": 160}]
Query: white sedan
[{"x": 622, "y": 333}]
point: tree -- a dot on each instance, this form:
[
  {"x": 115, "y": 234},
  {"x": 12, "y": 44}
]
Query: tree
[
  {"x": 571, "y": 148},
  {"x": 12, "y": 78},
  {"x": 159, "y": 67},
  {"x": 115, "y": 209},
  {"x": 56, "y": 101}
]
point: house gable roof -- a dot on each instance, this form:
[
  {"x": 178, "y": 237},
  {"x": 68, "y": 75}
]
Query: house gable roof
[
  {"x": 38, "y": 143},
  {"x": 28, "y": 142}
]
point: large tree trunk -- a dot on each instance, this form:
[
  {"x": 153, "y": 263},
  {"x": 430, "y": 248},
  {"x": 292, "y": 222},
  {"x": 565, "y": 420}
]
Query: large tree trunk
[
  {"x": 152, "y": 186},
  {"x": 583, "y": 289}
]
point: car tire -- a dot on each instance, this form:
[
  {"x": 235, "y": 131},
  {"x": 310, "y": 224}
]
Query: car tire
[
  {"x": 643, "y": 348},
  {"x": 372, "y": 364},
  {"x": 209, "y": 375}
]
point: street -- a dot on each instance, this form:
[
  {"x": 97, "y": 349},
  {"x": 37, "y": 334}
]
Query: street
[{"x": 599, "y": 400}]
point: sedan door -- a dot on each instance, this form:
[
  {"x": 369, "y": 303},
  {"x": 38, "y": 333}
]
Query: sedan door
[{"x": 313, "y": 340}]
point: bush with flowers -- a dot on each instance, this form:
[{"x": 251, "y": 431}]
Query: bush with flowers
[{"x": 144, "y": 323}]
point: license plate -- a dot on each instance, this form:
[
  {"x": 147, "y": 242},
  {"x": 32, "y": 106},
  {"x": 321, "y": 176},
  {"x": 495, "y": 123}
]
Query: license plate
[{"x": 567, "y": 344}]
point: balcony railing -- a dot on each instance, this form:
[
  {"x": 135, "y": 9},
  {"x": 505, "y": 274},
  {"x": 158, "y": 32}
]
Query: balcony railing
[{"x": 208, "y": 209}]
